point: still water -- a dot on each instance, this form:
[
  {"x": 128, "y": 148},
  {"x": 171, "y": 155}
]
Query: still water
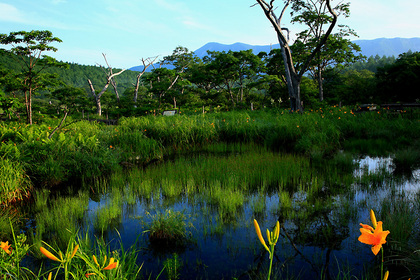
[
  {"x": 219, "y": 196},
  {"x": 318, "y": 235}
]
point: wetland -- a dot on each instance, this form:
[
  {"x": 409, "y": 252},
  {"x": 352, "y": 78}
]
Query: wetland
[{"x": 184, "y": 207}]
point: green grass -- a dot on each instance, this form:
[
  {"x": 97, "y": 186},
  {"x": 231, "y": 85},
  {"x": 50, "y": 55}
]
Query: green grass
[
  {"x": 89, "y": 150},
  {"x": 172, "y": 266},
  {"x": 83, "y": 263},
  {"x": 406, "y": 160},
  {"x": 15, "y": 184},
  {"x": 168, "y": 228},
  {"x": 58, "y": 220}
]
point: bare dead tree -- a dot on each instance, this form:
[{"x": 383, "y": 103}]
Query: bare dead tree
[
  {"x": 109, "y": 80},
  {"x": 146, "y": 63},
  {"x": 293, "y": 77}
]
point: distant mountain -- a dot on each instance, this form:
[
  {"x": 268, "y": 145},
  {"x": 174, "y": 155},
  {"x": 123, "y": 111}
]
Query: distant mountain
[
  {"x": 388, "y": 47},
  {"x": 202, "y": 52},
  {"x": 380, "y": 46},
  {"x": 150, "y": 68}
]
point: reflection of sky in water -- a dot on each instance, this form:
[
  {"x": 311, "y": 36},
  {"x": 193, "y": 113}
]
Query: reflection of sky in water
[
  {"x": 228, "y": 250},
  {"x": 368, "y": 165}
]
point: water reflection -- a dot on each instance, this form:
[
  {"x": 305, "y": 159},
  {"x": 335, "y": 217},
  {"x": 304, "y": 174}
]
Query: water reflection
[{"x": 319, "y": 214}]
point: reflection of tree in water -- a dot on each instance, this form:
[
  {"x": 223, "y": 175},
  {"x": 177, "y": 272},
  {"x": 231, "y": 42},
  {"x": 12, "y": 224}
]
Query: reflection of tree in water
[
  {"x": 316, "y": 231},
  {"x": 312, "y": 220}
]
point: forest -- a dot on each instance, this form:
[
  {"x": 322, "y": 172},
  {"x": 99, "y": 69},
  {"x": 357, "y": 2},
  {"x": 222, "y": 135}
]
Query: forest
[{"x": 220, "y": 81}]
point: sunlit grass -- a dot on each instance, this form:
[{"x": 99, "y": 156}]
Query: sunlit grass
[{"x": 15, "y": 184}]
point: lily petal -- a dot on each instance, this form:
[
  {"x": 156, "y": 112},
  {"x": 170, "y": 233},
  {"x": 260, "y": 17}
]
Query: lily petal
[
  {"x": 368, "y": 227},
  {"x": 74, "y": 251},
  {"x": 373, "y": 218},
  {"x": 49, "y": 255},
  {"x": 258, "y": 231},
  {"x": 5, "y": 246},
  {"x": 112, "y": 264},
  {"x": 95, "y": 260}
]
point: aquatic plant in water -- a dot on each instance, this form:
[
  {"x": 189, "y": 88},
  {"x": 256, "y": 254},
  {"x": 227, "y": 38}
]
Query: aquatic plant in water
[
  {"x": 172, "y": 266},
  {"x": 168, "y": 228},
  {"x": 272, "y": 237}
]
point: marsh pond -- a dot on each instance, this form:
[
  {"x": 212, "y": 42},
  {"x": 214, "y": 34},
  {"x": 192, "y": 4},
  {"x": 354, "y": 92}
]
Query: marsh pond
[{"x": 193, "y": 214}]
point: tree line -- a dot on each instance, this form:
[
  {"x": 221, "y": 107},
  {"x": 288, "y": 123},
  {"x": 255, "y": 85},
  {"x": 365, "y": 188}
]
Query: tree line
[{"x": 218, "y": 81}]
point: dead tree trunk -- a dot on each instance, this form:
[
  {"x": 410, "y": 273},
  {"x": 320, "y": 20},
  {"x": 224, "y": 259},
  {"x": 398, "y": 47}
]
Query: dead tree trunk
[
  {"x": 293, "y": 77},
  {"x": 109, "y": 80},
  {"x": 98, "y": 96},
  {"x": 145, "y": 66},
  {"x": 110, "y": 76}
]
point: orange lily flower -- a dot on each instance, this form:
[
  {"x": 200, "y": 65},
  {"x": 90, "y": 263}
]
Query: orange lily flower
[
  {"x": 5, "y": 246},
  {"x": 112, "y": 264},
  {"x": 375, "y": 237}
]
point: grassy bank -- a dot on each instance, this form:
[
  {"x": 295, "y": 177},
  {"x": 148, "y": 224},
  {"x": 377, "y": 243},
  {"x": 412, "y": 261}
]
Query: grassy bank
[{"x": 81, "y": 149}]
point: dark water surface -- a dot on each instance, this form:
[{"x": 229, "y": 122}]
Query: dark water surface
[{"x": 318, "y": 235}]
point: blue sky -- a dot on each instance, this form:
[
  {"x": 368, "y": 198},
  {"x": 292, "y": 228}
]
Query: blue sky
[{"x": 128, "y": 30}]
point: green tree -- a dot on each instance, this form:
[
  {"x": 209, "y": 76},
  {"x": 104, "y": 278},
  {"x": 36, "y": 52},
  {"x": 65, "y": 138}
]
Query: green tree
[
  {"x": 275, "y": 78},
  {"x": 249, "y": 65},
  {"x": 305, "y": 12},
  {"x": 71, "y": 98},
  {"x": 372, "y": 63},
  {"x": 350, "y": 87},
  {"x": 9, "y": 104},
  {"x": 29, "y": 48},
  {"x": 222, "y": 67},
  {"x": 180, "y": 59},
  {"x": 109, "y": 103},
  {"x": 337, "y": 50},
  {"x": 400, "y": 81},
  {"x": 161, "y": 81}
]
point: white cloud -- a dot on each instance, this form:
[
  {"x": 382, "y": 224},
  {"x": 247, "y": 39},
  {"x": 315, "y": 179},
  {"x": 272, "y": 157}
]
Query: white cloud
[{"x": 11, "y": 14}]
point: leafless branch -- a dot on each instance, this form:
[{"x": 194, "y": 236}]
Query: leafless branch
[{"x": 146, "y": 63}]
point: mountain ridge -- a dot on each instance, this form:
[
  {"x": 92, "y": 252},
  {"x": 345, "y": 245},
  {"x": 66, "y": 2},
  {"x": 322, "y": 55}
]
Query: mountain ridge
[{"x": 370, "y": 47}]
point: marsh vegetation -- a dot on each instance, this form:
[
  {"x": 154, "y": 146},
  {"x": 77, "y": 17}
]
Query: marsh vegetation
[{"x": 176, "y": 196}]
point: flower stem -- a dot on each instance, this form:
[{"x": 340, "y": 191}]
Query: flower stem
[
  {"x": 271, "y": 260},
  {"x": 382, "y": 264}
]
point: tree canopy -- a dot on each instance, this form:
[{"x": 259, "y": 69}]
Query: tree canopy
[{"x": 219, "y": 81}]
